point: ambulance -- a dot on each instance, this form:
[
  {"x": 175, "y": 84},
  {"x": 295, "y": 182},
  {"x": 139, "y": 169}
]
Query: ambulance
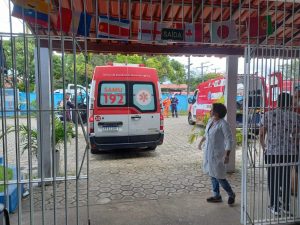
[
  {"x": 125, "y": 108},
  {"x": 262, "y": 96}
]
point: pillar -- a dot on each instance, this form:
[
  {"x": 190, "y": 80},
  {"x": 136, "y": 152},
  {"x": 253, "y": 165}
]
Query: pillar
[
  {"x": 43, "y": 94},
  {"x": 230, "y": 102}
]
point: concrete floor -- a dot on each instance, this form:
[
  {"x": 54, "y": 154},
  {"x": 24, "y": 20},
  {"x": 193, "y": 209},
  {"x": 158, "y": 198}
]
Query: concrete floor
[{"x": 185, "y": 210}]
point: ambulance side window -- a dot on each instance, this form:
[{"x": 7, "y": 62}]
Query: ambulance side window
[
  {"x": 143, "y": 96},
  {"x": 112, "y": 94}
]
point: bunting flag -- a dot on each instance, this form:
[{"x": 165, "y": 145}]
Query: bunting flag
[
  {"x": 260, "y": 26},
  {"x": 223, "y": 31},
  {"x": 111, "y": 27},
  {"x": 30, "y": 16},
  {"x": 84, "y": 24},
  {"x": 65, "y": 17},
  {"x": 146, "y": 31},
  {"x": 42, "y": 6},
  {"x": 193, "y": 32},
  {"x": 150, "y": 31}
]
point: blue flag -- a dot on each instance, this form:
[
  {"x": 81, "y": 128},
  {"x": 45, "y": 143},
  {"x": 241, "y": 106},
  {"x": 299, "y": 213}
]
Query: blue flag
[{"x": 84, "y": 24}]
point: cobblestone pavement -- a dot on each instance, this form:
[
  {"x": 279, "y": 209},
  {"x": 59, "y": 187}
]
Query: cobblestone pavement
[{"x": 173, "y": 169}]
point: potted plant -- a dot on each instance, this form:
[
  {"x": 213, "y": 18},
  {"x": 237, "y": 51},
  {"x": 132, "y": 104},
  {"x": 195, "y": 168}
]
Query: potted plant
[{"x": 32, "y": 133}]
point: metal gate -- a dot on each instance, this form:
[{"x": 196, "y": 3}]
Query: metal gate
[
  {"x": 270, "y": 182},
  {"x": 44, "y": 153}
]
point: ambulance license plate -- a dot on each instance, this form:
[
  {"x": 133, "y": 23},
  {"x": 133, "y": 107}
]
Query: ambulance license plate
[{"x": 110, "y": 128}]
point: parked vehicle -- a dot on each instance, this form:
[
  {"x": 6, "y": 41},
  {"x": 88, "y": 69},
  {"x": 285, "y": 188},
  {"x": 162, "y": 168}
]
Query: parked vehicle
[
  {"x": 205, "y": 95},
  {"x": 262, "y": 96},
  {"x": 125, "y": 108}
]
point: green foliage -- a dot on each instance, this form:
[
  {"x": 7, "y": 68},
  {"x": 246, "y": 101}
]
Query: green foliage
[
  {"x": 28, "y": 139},
  {"x": 239, "y": 137},
  {"x": 196, "y": 78},
  {"x": 63, "y": 64},
  {"x": 22, "y": 87},
  {"x": 221, "y": 100},
  {"x": 60, "y": 133},
  {"x": 9, "y": 176},
  {"x": 29, "y": 136}
]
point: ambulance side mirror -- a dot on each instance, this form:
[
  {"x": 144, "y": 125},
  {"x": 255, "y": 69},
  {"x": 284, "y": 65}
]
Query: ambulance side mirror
[{"x": 191, "y": 100}]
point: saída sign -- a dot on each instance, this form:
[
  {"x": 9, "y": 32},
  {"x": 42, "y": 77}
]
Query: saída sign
[{"x": 172, "y": 34}]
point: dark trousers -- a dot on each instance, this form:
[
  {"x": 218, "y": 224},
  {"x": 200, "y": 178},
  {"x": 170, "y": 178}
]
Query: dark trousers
[
  {"x": 174, "y": 110},
  {"x": 279, "y": 178}
]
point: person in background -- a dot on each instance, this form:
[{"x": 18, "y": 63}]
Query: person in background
[
  {"x": 218, "y": 144},
  {"x": 69, "y": 106},
  {"x": 80, "y": 98},
  {"x": 174, "y": 103},
  {"x": 281, "y": 126},
  {"x": 166, "y": 104}
]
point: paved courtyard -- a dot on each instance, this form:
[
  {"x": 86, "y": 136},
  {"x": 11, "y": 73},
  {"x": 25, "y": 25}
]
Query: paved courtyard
[{"x": 173, "y": 170}]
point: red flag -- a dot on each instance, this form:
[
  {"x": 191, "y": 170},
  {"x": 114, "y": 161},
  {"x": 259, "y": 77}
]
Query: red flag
[
  {"x": 260, "y": 26},
  {"x": 66, "y": 19},
  {"x": 193, "y": 32}
]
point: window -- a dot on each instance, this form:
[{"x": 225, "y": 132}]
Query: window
[
  {"x": 144, "y": 96},
  {"x": 112, "y": 94}
]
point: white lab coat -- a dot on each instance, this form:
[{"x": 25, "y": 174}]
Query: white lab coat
[{"x": 218, "y": 139}]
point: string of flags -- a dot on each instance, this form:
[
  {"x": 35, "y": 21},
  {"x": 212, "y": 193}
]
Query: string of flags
[{"x": 37, "y": 12}]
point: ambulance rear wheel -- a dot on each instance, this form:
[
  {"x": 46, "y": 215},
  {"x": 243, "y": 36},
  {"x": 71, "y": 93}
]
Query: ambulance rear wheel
[
  {"x": 191, "y": 122},
  {"x": 94, "y": 151},
  {"x": 151, "y": 148}
]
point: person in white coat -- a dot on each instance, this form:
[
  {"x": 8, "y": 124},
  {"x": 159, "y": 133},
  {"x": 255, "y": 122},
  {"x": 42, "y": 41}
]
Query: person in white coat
[{"x": 218, "y": 144}]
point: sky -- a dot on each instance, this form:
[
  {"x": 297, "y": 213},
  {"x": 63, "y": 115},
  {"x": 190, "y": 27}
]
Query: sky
[{"x": 17, "y": 24}]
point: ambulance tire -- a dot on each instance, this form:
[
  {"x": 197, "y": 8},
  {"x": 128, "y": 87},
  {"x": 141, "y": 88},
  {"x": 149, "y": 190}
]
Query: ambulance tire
[
  {"x": 152, "y": 148},
  {"x": 191, "y": 122},
  {"x": 95, "y": 151}
]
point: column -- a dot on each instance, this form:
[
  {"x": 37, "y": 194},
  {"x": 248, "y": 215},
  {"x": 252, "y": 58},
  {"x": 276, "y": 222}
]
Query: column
[
  {"x": 43, "y": 94},
  {"x": 230, "y": 101}
]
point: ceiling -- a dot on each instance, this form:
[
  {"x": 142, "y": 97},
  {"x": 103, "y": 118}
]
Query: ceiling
[{"x": 285, "y": 16}]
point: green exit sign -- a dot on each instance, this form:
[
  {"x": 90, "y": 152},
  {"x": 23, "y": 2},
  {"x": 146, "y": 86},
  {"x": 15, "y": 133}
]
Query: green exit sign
[{"x": 172, "y": 34}]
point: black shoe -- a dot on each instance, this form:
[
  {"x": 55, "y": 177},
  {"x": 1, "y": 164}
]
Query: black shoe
[
  {"x": 231, "y": 200},
  {"x": 214, "y": 199}
]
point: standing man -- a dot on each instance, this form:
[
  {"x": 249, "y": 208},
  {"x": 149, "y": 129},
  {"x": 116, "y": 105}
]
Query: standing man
[
  {"x": 69, "y": 106},
  {"x": 166, "y": 104},
  {"x": 174, "y": 103}
]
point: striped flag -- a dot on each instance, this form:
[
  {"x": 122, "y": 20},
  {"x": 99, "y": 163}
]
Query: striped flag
[
  {"x": 43, "y": 6},
  {"x": 110, "y": 27},
  {"x": 65, "y": 17},
  {"x": 260, "y": 26},
  {"x": 30, "y": 16},
  {"x": 223, "y": 31},
  {"x": 84, "y": 24}
]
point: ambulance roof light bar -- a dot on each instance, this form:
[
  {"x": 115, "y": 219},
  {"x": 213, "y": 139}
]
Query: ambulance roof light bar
[{"x": 125, "y": 64}]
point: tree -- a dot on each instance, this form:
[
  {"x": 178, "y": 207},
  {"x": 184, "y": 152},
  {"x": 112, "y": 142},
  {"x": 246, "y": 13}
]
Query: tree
[{"x": 20, "y": 53}]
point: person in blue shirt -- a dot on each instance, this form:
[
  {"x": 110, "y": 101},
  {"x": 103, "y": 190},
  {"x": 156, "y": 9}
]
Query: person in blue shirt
[{"x": 174, "y": 103}]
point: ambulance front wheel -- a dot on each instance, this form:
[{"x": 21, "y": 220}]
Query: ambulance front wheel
[{"x": 191, "y": 122}]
